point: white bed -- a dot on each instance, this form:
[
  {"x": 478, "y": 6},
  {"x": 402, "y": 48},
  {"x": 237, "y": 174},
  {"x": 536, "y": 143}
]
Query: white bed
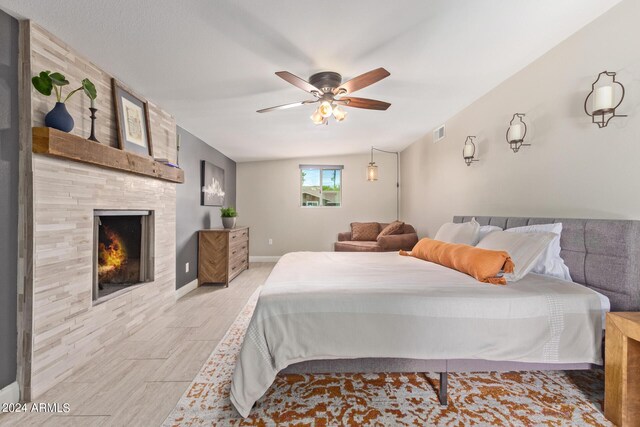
[{"x": 344, "y": 305}]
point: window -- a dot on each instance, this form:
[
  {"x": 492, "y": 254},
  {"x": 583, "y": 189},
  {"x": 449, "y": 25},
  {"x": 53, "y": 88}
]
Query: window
[{"x": 320, "y": 186}]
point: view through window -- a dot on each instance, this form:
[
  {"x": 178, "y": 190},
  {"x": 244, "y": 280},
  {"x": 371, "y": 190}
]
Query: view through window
[{"x": 321, "y": 186}]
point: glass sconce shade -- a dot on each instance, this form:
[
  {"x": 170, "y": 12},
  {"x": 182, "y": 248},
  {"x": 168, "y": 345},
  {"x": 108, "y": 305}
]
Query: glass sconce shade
[
  {"x": 325, "y": 109},
  {"x": 339, "y": 114},
  {"x": 469, "y": 151},
  {"x": 516, "y": 132},
  {"x": 317, "y": 118},
  {"x": 603, "y": 100},
  {"x": 372, "y": 172}
]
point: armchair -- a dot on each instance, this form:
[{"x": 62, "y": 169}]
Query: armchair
[{"x": 394, "y": 242}]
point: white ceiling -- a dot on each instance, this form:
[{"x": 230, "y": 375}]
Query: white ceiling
[{"x": 212, "y": 63}]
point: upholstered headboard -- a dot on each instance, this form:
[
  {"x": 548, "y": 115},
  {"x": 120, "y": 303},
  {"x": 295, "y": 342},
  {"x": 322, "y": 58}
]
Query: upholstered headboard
[{"x": 601, "y": 254}]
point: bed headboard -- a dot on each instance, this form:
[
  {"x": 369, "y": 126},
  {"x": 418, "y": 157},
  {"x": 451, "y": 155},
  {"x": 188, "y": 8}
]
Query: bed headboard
[{"x": 601, "y": 254}]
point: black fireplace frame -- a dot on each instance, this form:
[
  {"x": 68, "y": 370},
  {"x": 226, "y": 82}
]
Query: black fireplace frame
[{"x": 147, "y": 250}]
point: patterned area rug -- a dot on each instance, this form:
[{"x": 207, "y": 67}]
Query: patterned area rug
[{"x": 481, "y": 399}]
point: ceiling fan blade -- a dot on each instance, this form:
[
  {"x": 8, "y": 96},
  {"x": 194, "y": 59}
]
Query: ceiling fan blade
[
  {"x": 362, "y": 81},
  {"x": 298, "y": 82},
  {"x": 286, "y": 106},
  {"x": 369, "y": 104}
]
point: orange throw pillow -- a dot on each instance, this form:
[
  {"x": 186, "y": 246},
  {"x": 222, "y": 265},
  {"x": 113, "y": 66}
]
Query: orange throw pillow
[
  {"x": 483, "y": 264},
  {"x": 396, "y": 227}
]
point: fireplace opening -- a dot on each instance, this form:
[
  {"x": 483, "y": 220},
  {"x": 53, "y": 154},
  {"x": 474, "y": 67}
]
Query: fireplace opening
[{"x": 123, "y": 251}]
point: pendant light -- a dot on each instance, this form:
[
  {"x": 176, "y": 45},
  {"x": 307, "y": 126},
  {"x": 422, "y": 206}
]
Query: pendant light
[{"x": 372, "y": 175}]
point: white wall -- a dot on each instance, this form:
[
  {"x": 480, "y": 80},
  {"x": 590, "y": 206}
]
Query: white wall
[
  {"x": 268, "y": 198},
  {"x": 573, "y": 168}
]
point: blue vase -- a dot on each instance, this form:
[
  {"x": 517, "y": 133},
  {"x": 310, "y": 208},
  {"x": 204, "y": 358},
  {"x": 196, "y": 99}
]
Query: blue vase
[{"x": 59, "y": 118}]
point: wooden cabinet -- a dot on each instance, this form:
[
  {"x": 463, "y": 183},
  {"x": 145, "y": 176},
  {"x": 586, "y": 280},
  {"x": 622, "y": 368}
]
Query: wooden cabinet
[
  {"x": 622, "y": 369},
  {"x": 222, "y": 254}
]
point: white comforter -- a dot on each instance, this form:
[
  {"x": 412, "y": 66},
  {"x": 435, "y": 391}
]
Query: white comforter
[{"x": 337, "y": 305}]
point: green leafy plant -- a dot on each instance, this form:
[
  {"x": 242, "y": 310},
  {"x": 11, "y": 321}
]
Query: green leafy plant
[
  {"x": 47, "y": 82},
  {"x": 228, "y": 212}
]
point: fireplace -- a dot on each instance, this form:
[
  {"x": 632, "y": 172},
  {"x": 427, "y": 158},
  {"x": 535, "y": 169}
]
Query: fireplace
[{"x": 123, "y": 251}]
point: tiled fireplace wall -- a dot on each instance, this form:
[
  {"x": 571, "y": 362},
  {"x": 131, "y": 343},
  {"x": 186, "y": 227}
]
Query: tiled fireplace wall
[{"x": 68, "y": 330}]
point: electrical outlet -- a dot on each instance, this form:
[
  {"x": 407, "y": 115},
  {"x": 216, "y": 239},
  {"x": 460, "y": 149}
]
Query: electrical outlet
[
  {"x": 271, "y": 241},
  {"x": 186, "y": 267}
]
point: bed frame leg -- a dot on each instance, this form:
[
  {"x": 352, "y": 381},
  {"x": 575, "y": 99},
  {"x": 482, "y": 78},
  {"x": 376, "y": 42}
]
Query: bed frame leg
[{"x": 442, "y": 395}]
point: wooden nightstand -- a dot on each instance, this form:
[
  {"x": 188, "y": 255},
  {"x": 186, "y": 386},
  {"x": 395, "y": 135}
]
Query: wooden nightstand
[{"x": 622, "y": 369}]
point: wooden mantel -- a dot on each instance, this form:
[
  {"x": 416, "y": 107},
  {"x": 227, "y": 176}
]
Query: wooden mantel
[{"x": 56, "y": 143}]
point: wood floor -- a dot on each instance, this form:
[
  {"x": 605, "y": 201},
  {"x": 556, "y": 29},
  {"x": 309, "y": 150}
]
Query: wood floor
[{"x": 138, "y": 381}]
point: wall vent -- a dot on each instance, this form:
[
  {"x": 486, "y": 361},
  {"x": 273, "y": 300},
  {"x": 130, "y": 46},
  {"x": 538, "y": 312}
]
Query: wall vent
[{"x": 438, "y": 134}]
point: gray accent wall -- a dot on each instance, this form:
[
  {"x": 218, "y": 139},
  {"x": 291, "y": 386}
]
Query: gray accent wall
[
  {"x": 190, "y": 216},
  {"x": 8, "y": 196}
]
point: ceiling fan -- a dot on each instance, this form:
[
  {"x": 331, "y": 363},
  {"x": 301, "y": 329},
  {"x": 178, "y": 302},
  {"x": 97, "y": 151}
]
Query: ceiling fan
[{"x": 332, "y": 94}]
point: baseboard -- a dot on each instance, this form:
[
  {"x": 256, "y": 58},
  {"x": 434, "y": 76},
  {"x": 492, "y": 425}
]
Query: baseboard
[
  {"x": 264, "y": 258},
  {"x": 180, "y": 292},
  {"x": 10, "y": 394}
]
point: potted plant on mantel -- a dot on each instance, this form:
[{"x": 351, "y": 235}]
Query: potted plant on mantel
[
  {"x": 47, "y": 82},
  {"x": 228, "y": 217}
]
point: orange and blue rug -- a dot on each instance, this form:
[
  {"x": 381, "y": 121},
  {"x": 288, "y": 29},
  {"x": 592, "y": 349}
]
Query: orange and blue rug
[{"x": 535, "y": 398}]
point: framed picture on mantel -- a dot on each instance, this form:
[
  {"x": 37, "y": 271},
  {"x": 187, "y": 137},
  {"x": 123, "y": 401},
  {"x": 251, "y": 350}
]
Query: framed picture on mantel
[{"x": 132, "y": 121}]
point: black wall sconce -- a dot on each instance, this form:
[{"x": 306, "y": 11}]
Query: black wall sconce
[
  {"x": 603, "y": 107},
  {"x": 469, "y": 151},
  {"x": 516, "y": 132}
]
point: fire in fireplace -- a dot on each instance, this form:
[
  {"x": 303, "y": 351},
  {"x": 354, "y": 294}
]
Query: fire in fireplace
[{"x": 122, "y": 251}]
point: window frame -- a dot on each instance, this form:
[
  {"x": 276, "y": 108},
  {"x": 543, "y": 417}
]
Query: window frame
[{"x": 321, "y": 169}]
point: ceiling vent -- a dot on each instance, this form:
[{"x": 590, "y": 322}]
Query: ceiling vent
[{"x": 438, "y": 134}]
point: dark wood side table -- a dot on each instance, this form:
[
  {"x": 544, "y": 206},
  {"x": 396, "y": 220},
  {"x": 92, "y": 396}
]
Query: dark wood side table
[{"x": 622, "y": 369}]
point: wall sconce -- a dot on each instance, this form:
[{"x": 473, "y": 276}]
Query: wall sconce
[
  {"x": 516, "y": 132},
  {"x": 372, "y": 174},
  {"x": 603, "y": 107},
  {"x": 469, "y": 151}
]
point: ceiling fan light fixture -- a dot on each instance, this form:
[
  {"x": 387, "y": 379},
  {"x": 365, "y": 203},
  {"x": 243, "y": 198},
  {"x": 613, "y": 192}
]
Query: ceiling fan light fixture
[
  {"x": 328, "y": 90},
  {"x": 316, "y": 117},
  {"x": 325, "y": 109},
  {"x": 339, "y": 114}
]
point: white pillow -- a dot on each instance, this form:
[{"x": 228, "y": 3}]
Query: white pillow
[
  {"x": 550, "y": 263},
  {"x": 466, "y": 232},
  {"x": 524, "y": 248},
  {"x": 486, "y": 229}
]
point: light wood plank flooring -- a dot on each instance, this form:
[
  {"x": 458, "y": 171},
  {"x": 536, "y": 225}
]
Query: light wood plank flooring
[{"x": 138, "y": 381}]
